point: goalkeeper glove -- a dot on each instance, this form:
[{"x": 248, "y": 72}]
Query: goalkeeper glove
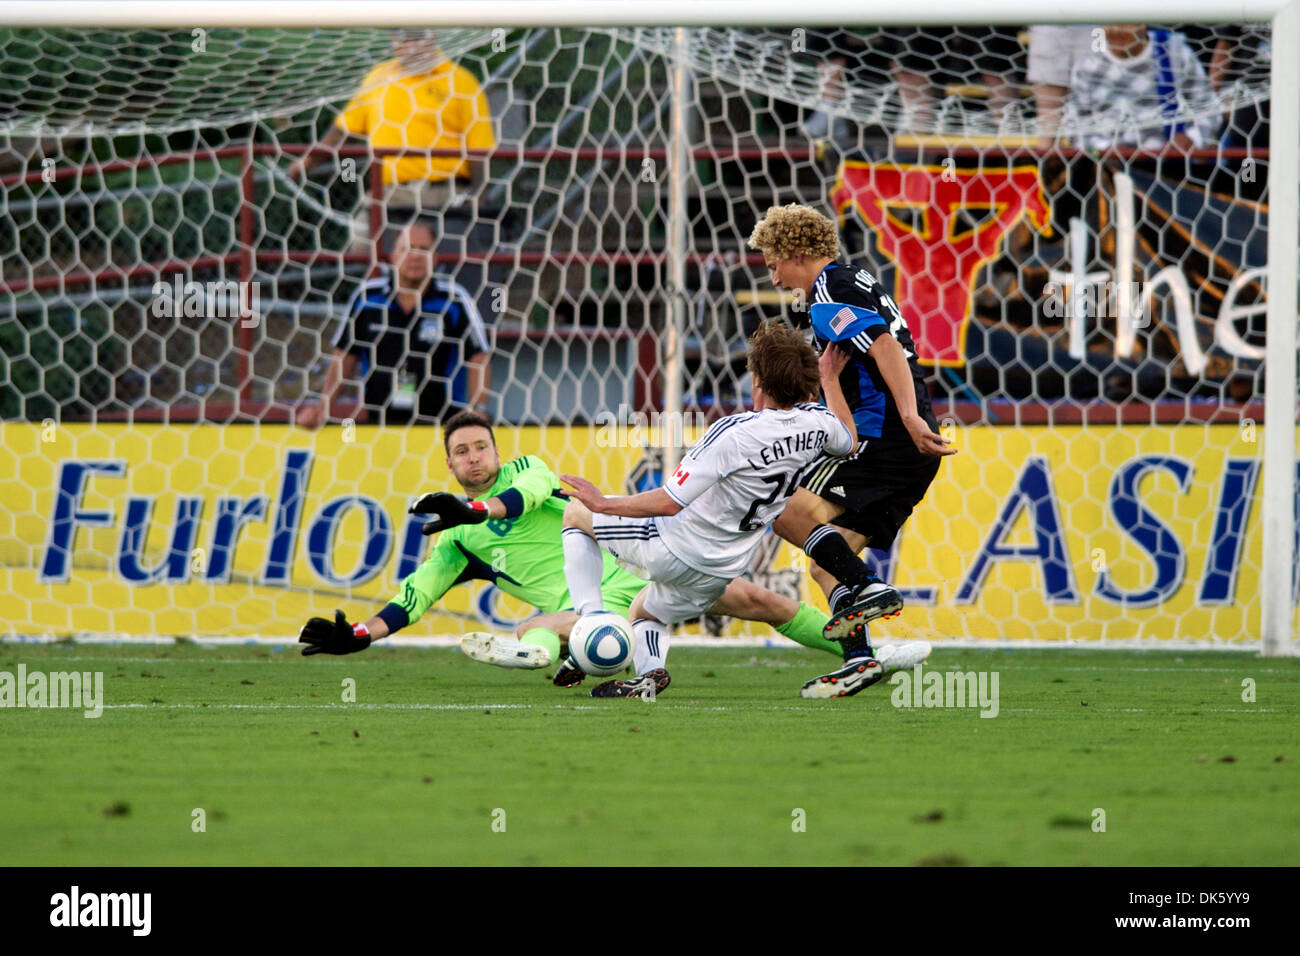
[
  {"x": 333, "y": 637},
  {"x": 450, "y": 511}
]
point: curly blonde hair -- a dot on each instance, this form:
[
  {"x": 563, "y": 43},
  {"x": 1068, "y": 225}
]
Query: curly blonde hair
[{"x": 795, "y": 230}]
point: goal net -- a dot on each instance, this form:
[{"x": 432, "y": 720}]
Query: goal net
[{"x": 1073, "y": 221}]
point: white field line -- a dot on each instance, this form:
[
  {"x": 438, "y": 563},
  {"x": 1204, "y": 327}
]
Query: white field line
[
  {"x": 685, "y": 640},
  {"x": 1007, "y": 665},
  {"x": 810, "y": 707},
  {"x": 1123, "y": 710},
  {"x": 1010, "y": 666},
  {"x": 335, "y": 706},
  {"x": 326, "y": 706}
]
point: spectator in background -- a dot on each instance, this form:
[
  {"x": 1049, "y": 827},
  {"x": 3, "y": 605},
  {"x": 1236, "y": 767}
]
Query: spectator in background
[
  {"x": 1243, "y": 58},
  {"x": 843, "y": 60},
  {"x": 922, "y": 58},
  {"x": 419, "y": 339},
  {"x": 1142, "y": 88},
  {"x": 1053, "y": 51},
  {"x": 417, "y": 100},
  {"x": 838, "y": 54}
]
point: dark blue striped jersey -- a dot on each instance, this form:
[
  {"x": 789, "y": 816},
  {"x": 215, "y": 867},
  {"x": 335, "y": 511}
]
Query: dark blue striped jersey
[
  {"x": 850, "y": 307},
  {"x": 412, "y": 364}
]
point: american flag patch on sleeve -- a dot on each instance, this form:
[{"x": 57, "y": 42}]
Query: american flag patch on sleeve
[{"x": 843, "y": 318}]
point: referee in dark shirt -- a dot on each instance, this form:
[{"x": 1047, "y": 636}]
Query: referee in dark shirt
[{"x": 417, "y": 339}]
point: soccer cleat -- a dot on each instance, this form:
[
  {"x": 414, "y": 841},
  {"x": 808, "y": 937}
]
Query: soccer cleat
[
  {"x": 503, "y": 651},
  {"x": 874, "y": 599},
  {"x": 647, "y": 686},
  {"x": 902, "y": 657},
  {"x": 569, "y": 674},
  {"x": 856, "y": 675}
]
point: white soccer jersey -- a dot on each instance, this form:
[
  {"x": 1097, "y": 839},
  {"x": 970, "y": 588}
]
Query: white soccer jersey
[{"x": 734, "y": 483}]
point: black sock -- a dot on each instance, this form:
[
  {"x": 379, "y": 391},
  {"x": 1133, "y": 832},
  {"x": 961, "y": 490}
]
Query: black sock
[
  {"x": 855, "y": 646},
  {"x": 839, "y": 596},
  {"x": 831, "y": 551}
]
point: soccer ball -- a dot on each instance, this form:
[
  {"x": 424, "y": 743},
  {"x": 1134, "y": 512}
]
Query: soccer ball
[{"x": 602, "y": 643}]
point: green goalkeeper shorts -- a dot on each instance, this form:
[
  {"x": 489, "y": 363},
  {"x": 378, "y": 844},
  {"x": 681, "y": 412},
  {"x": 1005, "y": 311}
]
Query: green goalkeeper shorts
[{"x": 619, "y": 590}]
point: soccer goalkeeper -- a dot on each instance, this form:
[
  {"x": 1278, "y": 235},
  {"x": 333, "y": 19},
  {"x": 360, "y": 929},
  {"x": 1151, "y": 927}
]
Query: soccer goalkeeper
[{"x": 509, "y": 534}]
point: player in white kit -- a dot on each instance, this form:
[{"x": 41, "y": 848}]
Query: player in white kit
[{"x": 696, "y": 533}]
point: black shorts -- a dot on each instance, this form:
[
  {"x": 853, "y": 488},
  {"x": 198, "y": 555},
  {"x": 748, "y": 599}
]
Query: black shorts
[{"x": 877, "y": 489}]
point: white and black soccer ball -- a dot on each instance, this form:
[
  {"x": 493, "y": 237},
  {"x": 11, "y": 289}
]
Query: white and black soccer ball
[{"x": 602, "y": 643}]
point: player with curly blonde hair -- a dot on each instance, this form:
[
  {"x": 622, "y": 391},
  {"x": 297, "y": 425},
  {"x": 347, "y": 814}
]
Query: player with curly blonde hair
[{"x": 867, "y": 496}]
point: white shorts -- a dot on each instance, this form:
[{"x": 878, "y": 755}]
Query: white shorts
[{"x": 677, "y": 592}]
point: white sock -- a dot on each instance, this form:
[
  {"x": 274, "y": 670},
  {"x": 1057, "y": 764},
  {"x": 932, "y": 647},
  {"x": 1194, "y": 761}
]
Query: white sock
[
  {"x": 584, "y": 566},
  {"x": 651, "y": 645}
]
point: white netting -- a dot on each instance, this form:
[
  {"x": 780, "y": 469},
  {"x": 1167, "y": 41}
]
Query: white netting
[
  {"x": 1055, "y": 293},
  {"x": 67, "y": 83},
  {"x": 959, "y": 80}
]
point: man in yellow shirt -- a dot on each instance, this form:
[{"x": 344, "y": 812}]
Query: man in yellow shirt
[{"x": 418, "y": 100}]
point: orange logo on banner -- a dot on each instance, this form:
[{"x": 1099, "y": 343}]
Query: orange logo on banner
[{"x": 938, "y": 225}]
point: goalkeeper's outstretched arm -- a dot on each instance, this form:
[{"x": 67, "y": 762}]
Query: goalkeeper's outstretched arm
[
  {"x": 421, "y": 589},
  {"x": 323, "y": 636}
]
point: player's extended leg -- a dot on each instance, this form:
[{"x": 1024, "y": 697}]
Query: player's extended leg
[
  {"x": 584, "y": 566},
  {"x": 536, "y": 642},
  {"x": 861, "y": 596},
  {"x": 802, "y": 623},
  {"x": 648, "y": 660}
]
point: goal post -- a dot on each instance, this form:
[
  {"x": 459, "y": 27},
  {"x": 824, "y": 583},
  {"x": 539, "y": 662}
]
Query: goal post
[
  {"x": 711, "y": 116},
  {"x": 1280, "y": 491}
]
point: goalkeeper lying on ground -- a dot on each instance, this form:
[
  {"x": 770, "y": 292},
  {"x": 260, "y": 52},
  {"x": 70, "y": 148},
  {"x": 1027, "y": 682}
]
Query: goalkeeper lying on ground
[{"x": 509, "y": 534}]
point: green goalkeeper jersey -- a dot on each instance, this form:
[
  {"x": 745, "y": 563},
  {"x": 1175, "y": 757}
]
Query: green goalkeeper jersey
[{"x": 523, "y": 556}]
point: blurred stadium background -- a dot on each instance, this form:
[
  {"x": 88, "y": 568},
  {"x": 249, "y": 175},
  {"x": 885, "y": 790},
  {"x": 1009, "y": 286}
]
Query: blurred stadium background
[{"x": 1091, "y": 316}]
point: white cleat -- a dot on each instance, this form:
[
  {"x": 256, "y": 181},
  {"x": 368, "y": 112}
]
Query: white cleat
[
  {"x": 901, "y": 657},
  {"x": 503, "y": 651}
]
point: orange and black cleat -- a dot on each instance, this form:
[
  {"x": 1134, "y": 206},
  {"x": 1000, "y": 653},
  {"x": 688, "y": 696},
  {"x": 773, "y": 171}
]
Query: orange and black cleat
[{"x": 874, "y": 600}]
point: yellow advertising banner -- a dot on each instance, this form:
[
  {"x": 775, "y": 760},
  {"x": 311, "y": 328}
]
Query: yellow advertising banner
[{"x": 1048, "y": 533}]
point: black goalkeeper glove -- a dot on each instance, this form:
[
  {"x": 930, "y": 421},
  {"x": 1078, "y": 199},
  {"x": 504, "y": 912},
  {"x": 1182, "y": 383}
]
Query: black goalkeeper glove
[
  {"x": 450, "y": 511},
  {"x": 333, "y": 637}
]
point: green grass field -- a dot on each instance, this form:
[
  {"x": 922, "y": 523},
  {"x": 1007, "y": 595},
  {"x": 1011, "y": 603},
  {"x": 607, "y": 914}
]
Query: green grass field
[{"x": 444, "y": 761}]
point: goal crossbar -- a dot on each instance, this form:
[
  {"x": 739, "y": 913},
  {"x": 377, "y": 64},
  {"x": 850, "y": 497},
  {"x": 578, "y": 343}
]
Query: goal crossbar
[{"x": 603, "y": 13}]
